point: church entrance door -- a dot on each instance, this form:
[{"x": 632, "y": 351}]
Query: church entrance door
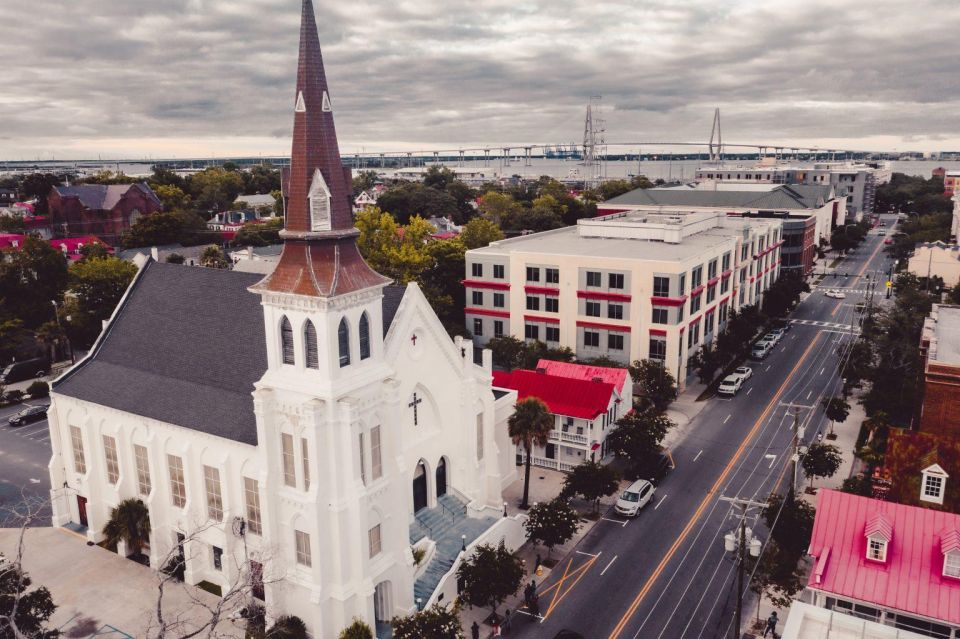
[
  {"x": 420, "y": 487},
  {"x": 442, "y": 477},
  {"x": 82, "y": 510}
]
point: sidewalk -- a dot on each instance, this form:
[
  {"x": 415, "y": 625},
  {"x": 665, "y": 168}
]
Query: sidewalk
[{"x": 682, "y": 413}]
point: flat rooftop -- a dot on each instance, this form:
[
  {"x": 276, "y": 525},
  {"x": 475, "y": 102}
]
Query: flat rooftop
[
  {"x": 947, "y": 333},
  {"x": 809, "y": 622}
]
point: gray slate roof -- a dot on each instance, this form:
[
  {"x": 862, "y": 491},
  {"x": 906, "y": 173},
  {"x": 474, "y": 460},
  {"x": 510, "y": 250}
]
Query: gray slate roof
[
  {"x": 103, "y": 197},
  {"x": 186, "y": 348},
  {"x": 793, "y": 196}
]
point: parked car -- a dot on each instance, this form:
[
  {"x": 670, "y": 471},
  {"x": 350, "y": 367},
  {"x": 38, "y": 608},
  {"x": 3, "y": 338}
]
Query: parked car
[
  {"x": 779, "y": 332},
  {"x": 25, "y": 369},
  {"x": 654, "y": 469},
  {"x": 744, "y": 371},
  {"x": 634, "y": 498},
  {"x": 27, "y": 415},
  {"x": 772, "y": 336},
  {"x": 760, "y": 350},
  {"x": 730, "y": 385}
]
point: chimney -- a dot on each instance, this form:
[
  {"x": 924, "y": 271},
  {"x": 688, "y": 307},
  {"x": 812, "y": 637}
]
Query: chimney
[
  {"x": 541, "y": 370},
  {"x": 154, "y": 253}
]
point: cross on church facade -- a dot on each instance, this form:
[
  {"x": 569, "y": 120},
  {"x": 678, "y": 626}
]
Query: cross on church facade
[
  {"x": 413, "y": 339},
  {"x": 413, "y": 404}
]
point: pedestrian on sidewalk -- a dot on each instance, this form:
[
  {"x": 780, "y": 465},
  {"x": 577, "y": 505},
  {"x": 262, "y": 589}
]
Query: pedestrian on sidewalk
[
  {"x": 771, "y": 625},
  {"x": 475, "y": 631}
]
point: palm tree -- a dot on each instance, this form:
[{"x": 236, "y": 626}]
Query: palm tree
[
  {"x": 530, "y": 424},
  {"x": 129, "y": 522}
]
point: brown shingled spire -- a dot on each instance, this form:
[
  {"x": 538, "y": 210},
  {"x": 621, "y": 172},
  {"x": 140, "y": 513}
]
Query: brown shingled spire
[{"x": 320, "y": 255}]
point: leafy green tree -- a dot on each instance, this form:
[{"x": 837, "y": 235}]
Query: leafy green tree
[
  {"x": 439, "y": 177},
  {"x": 778, "y": 576},
  {"x": 259, "y": 233},
  {"x": 790, "y": 522},
  {"x": 130, "y": 523},
  {"x": 96, "y": 287},
  {"x": 23, "y": 612},
  {"x": 407, "y": 200},
  {"x": 479, "y": 232},
  {"x": 37, "y": 186},
  {"x": 436, "y": 622},
  {"x": 108, "y": 177},
  {"x": 215, "y": 188},
  {"x": 552, "y": 523},
  {"x": 94, "y": 251},
  {"x": 837, "y": 408},
  {"x": 859, "y": 484},
  {"x": 529, "y": 426},
  {"x": 163, "y": 176},
  {"x": 357, "y": 630},
  {"x": 591, "y": 480},
  {"x": 507, "y": 351},
  {"x": 172, "y": 197},
  {"x": 30, "y": 279},
  {"x": 489, "y": 576},
  {"x": 158, "y": 229},
  {"x": 288, "y": 627},
  {"x": 175, "y": 258},
  {"x": 441, "y": 280},
  {"x": 707, "y": 361},
  {"x": 213, "y": 257},
  {"x": 636, "y": 438},
  {"x": 821, "y": 460},
  {"x": 363, "y": 180},
  {"x": 499, "y": 208},
  {"x": 657, "y": 385},
  {"x": 12, "y": 224},
  {"x": 546, "y": 213},
  {"x": 465, "y": 197},
  {"x": 261, "y": 178},
  {"x": 784, "y": 294}
]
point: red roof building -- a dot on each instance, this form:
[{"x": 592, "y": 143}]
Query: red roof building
[
  {"x": 896, "y": 564},
  {"x": 584, "y": 411},
  {"x": 69, "y": 246},
  {"x": 616, "y": 376}
]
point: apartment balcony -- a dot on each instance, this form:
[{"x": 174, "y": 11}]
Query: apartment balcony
[{"x": 568, "y": 438}]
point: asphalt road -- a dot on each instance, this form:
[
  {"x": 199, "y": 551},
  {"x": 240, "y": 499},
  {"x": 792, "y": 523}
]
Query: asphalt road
[
  {"x": 24, "y": 455},
  {"x": 665, "y": 574}
]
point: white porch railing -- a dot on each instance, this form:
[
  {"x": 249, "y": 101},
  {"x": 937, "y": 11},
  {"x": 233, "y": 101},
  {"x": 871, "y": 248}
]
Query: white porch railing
[
  {"x": 573, "y": 438},
  {"x": 555, "y": 464}
]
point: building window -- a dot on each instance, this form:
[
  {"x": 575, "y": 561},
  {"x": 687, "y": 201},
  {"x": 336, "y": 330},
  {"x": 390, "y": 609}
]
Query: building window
[
  {"x": 553, "y": 276},
  {"x": 211, "y": 480},
  {"x": 217, "y": 558},
  {"x": 286, "y": 340},
  {"x": 143, "y": 469},
  {"x": 479, "y": 436},
  {"x": 533, "y": 274},
  {"x": 660, "y": 315},
  {"x": 932, "y": 488},
  {"x": 531, "y": 331},
  {"x": 251, "y": 495},
  {"x": 477, "y": 326},
  {"x": 661, "y": 286},
  {"x": 289, "y": 470},
  {"x": 113, "y": 464},
  {"x": 658, "y": 349},
  {"x": 376, "y": 458},
  {"x": 683, "y": 285},
  {"x": 725, "y": 285},
  {"x": 363, "y": 459},
  {"x": 593, "y": 278},
  {"x": 364, "y": 337},
  {"x": 343, "y": 341},
  {"x": 477, "y": 298},
  {"x": 711, "y": 293},
  {"x": 305, "y": 462},
  {"x": 695, "y": 302},
  {"x": 615, "y": 342},
  {"x": 593, "y": 309},
  {"x": 498, "y": 271},
  {"x": 476, "y": 269},
  {"x": 712, "y": 269},
  {"x": 303, "y": 548},
  {"x": 552, "y": 304},
  {"x": 533, "y": 303},
  {"x": 680, "y": 312},
  {"x": 615, "y": 311},
  {"x": 951, "y": 564},
  {"x": 373, "y": 540},
  {"x": 498, "y": 300},
  {"x": 178, "y": 490},
  {"x": 310, "y": 345},
  {"x": 696, "y": 277},
  {"x": 726, "y": 261},
  {"x": 876, "y": 549},
  {"x": 591, "y": 338},
  {"x": 709, "y": 324},
  {"x": 553, "y": 334},
  {"x": 497, "y": 328},
  {"x": 615, "y": 280}
]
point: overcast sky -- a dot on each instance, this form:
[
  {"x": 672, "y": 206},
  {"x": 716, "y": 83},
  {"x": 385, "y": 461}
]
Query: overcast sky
[{"x": 133, "y": 78}]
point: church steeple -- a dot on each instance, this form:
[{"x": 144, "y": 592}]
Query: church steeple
[{"x": 320, "y": 257}]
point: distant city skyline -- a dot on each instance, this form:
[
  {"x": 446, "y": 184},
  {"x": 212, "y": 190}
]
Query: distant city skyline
[{"x": 201, "y": 78}]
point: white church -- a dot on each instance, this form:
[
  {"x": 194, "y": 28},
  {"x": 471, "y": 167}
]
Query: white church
[{"x": 306, "y": 429}]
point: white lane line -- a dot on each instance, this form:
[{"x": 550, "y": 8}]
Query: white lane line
[
  {"x": 783, "y": 350},
  {"x": 698, "y": 456},
  {"x": 823, "y": 369},
  {"x": 728, "y": 418},
  {"x": 809, "y": 394},
  {"x": 767, "y": 368},
  {"x": 660, "y": 501},
  {"x": 34, "y": 481},
  {"x": 588, "y": 554},
  {"x": 750, "y": 391},
  {"x": 773, "y": 458},
  {"x": 608, "y": 565},
  {"x": 617, "y": 521}
]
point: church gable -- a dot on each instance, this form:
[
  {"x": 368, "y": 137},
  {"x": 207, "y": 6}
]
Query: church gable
[{"x": 414, "y": 325}]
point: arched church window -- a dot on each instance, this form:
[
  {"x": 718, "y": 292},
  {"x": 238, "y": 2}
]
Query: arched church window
[
  {"x": 286, "y": 340},
  {"x": 364, "y": 337},
  {"x": 343, "y": 338},
  {"x": 310, "y": 345}
]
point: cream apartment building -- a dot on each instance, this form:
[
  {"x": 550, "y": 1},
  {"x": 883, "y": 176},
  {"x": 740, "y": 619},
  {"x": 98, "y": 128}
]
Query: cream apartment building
[{"x": 626, "y": 286}]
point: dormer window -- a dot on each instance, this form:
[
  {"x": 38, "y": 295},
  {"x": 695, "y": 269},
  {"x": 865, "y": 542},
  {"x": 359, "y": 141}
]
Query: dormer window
[
  {"x": 933, "y": 484},
  {"x": 877, "y": 549},
  {"x": 319, "y": 196},
  {"x": 951, "y": 564},
  {"x": 879, "y": 532}
]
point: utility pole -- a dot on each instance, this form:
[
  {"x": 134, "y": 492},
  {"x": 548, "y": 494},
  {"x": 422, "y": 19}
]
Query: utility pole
[
  {"x": 795, "y": 445},
  {"x": 738, "y": 541}
]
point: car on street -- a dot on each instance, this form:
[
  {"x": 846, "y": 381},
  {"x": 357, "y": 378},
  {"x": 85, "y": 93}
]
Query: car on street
[
  {"x": 634, "y": 498},
  {"x": 24, "y": 370},
  {"x": 888, "y": 241},
  {"x": 760, "y": 350},
  {"x": 27, "y": 415},
  {"x": 730, "y": 385},
  {"x": 744, "y": 371},
  {"x": 835, "y": 294},
  {"x": 881, "y": 232},
  {"x": 773, "y": 336},
  {"x": 779, "y": 332}
]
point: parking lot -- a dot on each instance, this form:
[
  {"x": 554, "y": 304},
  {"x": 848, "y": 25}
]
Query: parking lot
[{"x": 24, "y": 454}]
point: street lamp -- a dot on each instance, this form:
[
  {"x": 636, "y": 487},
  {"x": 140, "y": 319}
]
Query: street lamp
[{"x": 747, "y": 542}]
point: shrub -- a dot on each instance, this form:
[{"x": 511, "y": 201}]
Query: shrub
[
  {"x": 357, "y": 630},
  {"x": 418, "y": 555},
  {"x": 38, "y": 389},
  {"x": 288, "y": 627},
  {"x": 14, "y": 396}
]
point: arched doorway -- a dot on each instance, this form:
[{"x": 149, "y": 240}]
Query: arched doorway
[
  {"x": 420, "y": 487},
  {"x": 442, "y": 477},
  {"x": 383, "y": 602}
]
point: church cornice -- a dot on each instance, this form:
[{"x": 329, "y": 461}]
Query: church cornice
[{"x": 309, "y": 303}]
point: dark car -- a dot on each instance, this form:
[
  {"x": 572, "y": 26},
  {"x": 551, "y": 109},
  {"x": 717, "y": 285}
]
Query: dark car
[
  {"x": 23, "y": 370},
  {"x": 653, "y": 469},
  {"x": 27, "y": 415}
]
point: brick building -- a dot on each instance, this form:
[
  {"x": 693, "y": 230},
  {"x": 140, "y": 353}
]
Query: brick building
[
  {"x": 940, "y": 348},
  {"x": 99, "y": 209}
]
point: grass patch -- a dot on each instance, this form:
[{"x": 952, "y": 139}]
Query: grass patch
[{"x": 210, "y": 587}]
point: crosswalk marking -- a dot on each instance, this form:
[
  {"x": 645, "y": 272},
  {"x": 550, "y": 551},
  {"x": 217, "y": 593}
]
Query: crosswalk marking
[{"x": 833, "y": 325}]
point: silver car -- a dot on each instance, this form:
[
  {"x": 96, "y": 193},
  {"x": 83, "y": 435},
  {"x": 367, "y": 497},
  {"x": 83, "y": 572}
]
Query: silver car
[{"x": 634, "y": 498}]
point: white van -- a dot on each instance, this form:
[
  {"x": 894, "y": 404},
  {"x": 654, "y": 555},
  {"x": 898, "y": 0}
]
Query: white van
[{"x": 634, "y": 498}]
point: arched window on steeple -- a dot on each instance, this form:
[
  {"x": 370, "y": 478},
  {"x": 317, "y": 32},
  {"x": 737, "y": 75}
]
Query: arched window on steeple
[
  {"x": 286, "y": 340},
  {"x": 310, "y": 345},
  {"x": 364, "y": 337},
  {"x": 343, "y": 339}
]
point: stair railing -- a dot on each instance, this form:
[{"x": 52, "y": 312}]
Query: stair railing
[{"x": 453, "y": 515}]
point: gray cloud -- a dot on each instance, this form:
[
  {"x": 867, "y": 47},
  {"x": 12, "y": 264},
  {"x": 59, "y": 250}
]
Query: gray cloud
[{"x": 184, "y": 77}]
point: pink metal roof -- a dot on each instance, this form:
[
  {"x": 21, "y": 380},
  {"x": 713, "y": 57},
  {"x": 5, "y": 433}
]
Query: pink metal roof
[
  {"x": 562, "y": 395},
  {"x": 910, "y": 580},
  {"x": 616, "y": 376},
  {"x": 879, "y": 525},
  {"x": 949, "y": 540}
]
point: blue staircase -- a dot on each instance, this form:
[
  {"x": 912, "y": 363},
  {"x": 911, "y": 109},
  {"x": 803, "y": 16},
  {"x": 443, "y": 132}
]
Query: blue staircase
[{"x": 444, "y": 524}]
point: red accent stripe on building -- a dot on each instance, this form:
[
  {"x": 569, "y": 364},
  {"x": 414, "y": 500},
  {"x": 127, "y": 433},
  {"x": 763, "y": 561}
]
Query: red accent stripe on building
[
  {"x": 714, "y": 281},
  {"x": 697, "y": 290},
  {"x": 537, "y": 318},
  {"x": 597, "y": 295},
  {"x": 658, "y": 331},
  {"x": 726, "y": 274},
  {"x": 486, "y": 311},
  {"x": 668, "y": 301},
  {"x": 541, "y": 290},
  {"x": 499, "y": 286},
  {"x": 695, "y": 321},
  {"x": 607, "y": 327}
]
